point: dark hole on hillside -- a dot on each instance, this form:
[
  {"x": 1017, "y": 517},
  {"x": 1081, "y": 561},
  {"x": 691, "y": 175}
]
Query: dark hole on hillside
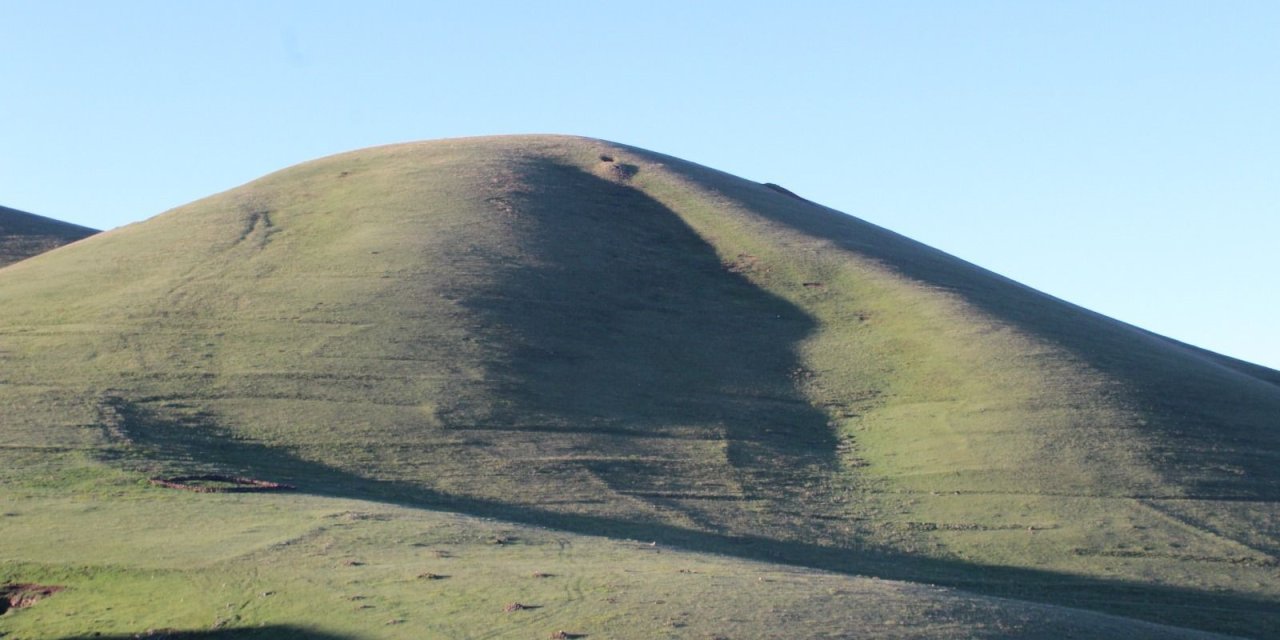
[
  {"x": 18, "y": 596},
  {"x": 606, "y": 158}
]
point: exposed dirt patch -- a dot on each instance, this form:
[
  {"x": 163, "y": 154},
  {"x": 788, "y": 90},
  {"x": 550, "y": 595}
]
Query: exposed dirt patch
[
  {"x": 502, "y": 205},
  {"x": 258, "y": 226},
  {"x": 361, "y": 516},
  {"x": 623, "y": 171},
  {"x": 19, "y": 596},
  {"x": 1185, "y": 557},
  {"x": 218, "y": 483},
  {"x": 614, "y": 171},
  {"x": 745, "y": 263},
  {"x": 617, "y": 172}
]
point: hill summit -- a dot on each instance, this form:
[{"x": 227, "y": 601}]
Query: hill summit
[{"x": 587, "y": 336}]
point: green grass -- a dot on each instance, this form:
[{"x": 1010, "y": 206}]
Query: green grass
[
  {"x": 306, "y": 566},
  {"x": 639, "y": 348}
]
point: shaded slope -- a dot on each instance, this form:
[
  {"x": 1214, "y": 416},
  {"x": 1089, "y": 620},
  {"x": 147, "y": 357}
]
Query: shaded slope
[
  {"x": 521, "y": 328},
  {"x": 23, "y": 235}
]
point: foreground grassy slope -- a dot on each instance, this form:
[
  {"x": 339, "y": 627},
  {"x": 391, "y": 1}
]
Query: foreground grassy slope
[
  {"x": 576, "y": 334},
  {"x": 307, "y": 567},
  {"x": 23, "y": 235}
]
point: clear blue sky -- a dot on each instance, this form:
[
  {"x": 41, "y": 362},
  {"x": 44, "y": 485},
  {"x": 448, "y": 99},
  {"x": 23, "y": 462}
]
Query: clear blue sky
[{"x": 1124, "y": 156}]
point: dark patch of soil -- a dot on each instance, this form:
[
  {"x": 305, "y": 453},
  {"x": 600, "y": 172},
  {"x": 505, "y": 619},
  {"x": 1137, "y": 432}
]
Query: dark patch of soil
[
  {"x": 564, "y": 635},
  {"x": 518, "y": 606},
  {"x": 19, "y": 596},
  {"x": 623, "y": 172},
  {"x": 745, "y": 263},
  {"x": 218, "y": 483}
]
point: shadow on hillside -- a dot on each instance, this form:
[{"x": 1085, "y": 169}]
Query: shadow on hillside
[
  {"x": 621, "y": 320},
  {"x": 1217, "y": 430},
  {"x": 286, "y": 632},
  {"x": 201, "y": 439}
]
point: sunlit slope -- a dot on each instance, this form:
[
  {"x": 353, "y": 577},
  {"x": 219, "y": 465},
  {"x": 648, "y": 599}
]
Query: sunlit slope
[
  {"x": 584, "y": 335},
  {"x": 23, "y": 235}
]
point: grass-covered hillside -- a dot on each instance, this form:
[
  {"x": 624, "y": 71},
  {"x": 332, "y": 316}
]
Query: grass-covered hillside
[
  {"x": 638, "y": 365},
  {"x": 23, "y": 235}
]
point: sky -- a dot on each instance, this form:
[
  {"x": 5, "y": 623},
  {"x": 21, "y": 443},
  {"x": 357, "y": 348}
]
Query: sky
[{"x": 1121, "y": 155}]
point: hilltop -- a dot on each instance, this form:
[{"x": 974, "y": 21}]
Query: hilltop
[
  {"x": 23, "y": 234},
  {"x": 577, "y": 338}
]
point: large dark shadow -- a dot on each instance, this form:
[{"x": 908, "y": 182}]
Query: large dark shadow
[
  {"x": 618, "y": 319},
  {"x": 1218, "y": 432},
  {"x": 199, "y": 438}
]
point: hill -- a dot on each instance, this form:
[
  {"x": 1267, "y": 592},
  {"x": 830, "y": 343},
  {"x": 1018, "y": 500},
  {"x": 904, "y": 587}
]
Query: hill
[
  {"x": 23, "y": 235},
  {"x": 583, "y": 336}
]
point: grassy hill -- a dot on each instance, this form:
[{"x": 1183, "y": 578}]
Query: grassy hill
[
  {"x": 23, "y": 235},
  {"x": 572, "y": 338}
]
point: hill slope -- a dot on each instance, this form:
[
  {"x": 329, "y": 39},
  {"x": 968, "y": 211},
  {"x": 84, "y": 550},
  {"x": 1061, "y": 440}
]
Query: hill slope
[
  {"x": 582, "y": 335},
  {"x": 23, "y": 235}
]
